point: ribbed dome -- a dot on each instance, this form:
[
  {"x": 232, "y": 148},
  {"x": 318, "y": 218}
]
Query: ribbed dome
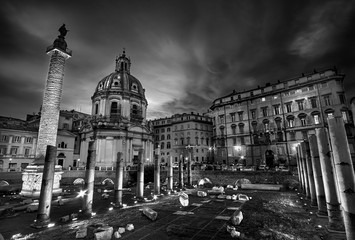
[{"x": 120, "y": 81}]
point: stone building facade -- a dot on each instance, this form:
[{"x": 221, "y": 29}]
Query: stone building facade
[
  {"x": 182, "y": 134},
  {"x": 18, "y": 140},
  {"x": 266, "y": 124},
  {"x": 118, "y": 122}
]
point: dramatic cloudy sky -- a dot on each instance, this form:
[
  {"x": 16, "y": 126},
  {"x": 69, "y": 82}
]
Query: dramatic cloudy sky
[{"x": 185, "y": 53}]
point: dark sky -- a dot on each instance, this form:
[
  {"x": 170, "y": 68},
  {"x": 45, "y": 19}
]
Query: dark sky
[{"x": 185, "y": 53}]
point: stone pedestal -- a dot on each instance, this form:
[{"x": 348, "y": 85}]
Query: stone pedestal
[{"x": 32, "y": 180}]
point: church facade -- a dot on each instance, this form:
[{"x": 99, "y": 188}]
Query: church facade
[{"x": 118, "y": 122}]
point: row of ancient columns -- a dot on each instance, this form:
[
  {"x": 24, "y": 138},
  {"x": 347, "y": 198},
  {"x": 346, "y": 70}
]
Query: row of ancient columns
[
  {"x": 47, "y": 183},
  {"x": 326, "y": 175}
]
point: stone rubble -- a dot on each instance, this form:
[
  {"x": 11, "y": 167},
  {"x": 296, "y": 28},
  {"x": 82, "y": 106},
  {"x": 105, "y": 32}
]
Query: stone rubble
[
  {"x": 237, "y": 217},
  {"x": 130, "y": 227},
  {"x": 150, "y": 213}
]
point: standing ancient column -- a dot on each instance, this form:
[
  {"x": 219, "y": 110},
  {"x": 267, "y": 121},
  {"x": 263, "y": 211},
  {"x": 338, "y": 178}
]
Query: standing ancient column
[
  {"x": 170, "y": 174},
  {"x": 45, "y": 200},
  {"x": 189, "y": 168},
  {"x": 312, "y": 187},
  {"x": 344, "y": 171},
  {"x": 89, "y": 179},
  {"x": 305, "y": 170},
  {"x": 181, "y": 173},
  {"x": 119, "y": 180},
  {"x": 157, "y": 171},
  {"x": 47, "y": 133},
  {"x": 299, "y": 168},
  {"x": 335, "y": 219},
  {"x": 317, "y": 173},
  {"x": 140, "y": 175}
]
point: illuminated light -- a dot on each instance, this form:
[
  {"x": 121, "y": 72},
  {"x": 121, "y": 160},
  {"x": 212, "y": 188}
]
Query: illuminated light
[
  {"x": 93, "y": 214},
  {"x": 242, "y": 157},
  {"x": 74, "y": 219},
  {"x": 305, "y": 204},
  {"x": 110, "y": 209},
  {"x": 35, "y": 220},
  {"x": 105, "y": 190},
  {"x": 310, "y": 212},
  {"x": 135, "y": 202},
  {"x": 155, "y": 197},
  {"x": 80, "y": 210},
  {"x": 319, "y": 226},
  {"x": 81, "y": 193},
  {"x": 51, "y": 225}
]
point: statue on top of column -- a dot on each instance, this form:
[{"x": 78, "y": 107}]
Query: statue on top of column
[{"x": 63, "y": 31}]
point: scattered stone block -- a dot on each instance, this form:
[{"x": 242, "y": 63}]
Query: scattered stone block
[
  {"x": 221, "y": 196},
  {"x": 184, "y": 199},
  {"x": 243, "y": 197},
  {"x": 234, "y": 197},
  {"x": 105, "y": 196},
  {"x": 103, "y": 233},
  {"x": 130, "y": 227},
  {"x": 117, "y": 235},
  {"x": 235, "y": 188},
  {"x": 228, "y": 197},
  {"x": 196, "y": 204},
  {"x": 235, "y": 234},
  {"x": 65, "y": 218},
  {"x": 32, "y": 208},
  {"x": 121, "y": 230},
  {"x": 99, "y": 190},
  {"x": 73, "y": 216},
  {"x": 270, "y": 187},
  {"x": 230, "y": 228},
  {"x": 201, "y": 193},
  {"x": 150, "y": 213},
  {"x": 237, "y": 217},
  {"x": 229, "y": 186},
  {"x": 81, "y": 233},
  {"x": 241, "y": 181}
]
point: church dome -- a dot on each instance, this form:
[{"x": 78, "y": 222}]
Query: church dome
[
  {"x": 119, "y": 96},
  {"x": 120, "y": 81}
]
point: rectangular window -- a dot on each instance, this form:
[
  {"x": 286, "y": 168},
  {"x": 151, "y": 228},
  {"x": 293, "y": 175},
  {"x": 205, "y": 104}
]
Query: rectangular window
[
  {"x": 28, "y": 140},
  {"x": 221, "y": 118},
  {"x": 300, "y": 105},
  {"x": 13, "y": 151},
  {"x": 303, "y": 121},
  {"x": 234, "y": 141},
  {"x": 242, "y": 141},
  {"x": 3, "y": 150},
  {"x": 345, "y": 116},
  {"x": 291, "y": 123},
  {"x": 16, "y": 139},
  {"x": 316, "y": 119},
  {"x": 326, "y": 100},
  {"x": 4, "y": 138},
  {"x": 264, "y": 110},
  {"x": 277, "y": 109},
  {"x": 168, "y": 129},
  {"x": 27, "y": 151},
  {"x": 162, "y": 130},
  {"x": 232, "y": 117},
  {"x": 288, "y": 107},
  {"x": 240, "y": 116},
  {"x": 314, "y": 102},
  {"x": 253, "y": 114}
]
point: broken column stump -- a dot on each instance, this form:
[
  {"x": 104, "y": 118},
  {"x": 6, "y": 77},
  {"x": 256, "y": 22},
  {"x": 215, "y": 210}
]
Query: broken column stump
[{"x": 150, "y": 213}]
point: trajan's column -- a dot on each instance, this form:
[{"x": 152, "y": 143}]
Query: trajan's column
[
  {"x": 47, "y": 134},
  {"x": 48, "y": 127}
]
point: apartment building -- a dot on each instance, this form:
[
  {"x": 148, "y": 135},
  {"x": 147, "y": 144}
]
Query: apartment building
[
  {"x": 183, "y": 134},
  {"x": 268, "y": 122}
]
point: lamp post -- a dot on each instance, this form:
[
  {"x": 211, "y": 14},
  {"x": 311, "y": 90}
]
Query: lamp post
[
  {"x": 10, "y": 159},
  {"x": 78, "y": 164}
]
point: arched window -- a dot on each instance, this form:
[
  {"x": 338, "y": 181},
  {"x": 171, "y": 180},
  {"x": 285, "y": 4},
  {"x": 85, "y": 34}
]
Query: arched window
[
  {"x": 96, "y": 108},
  {"x": 168, "y": 146},
  {"x": 291, "y": 120},
  {"x": 241, "y": 127},
  {"x": 303, "y": 117},
  {"x": 278, "y": 122},
  {"x": 114, "y": 108},
  {"x": 162, "y": 137},
  {"x": 134, "y": 109},
  {"x": 254, "y": 126},
  {"x": 168, "y": 137},
  {"x": 234, "y": 129}
]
